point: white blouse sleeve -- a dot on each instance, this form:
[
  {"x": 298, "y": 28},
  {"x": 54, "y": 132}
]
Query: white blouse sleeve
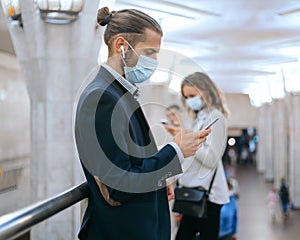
[{"x": 212, "y": 150}]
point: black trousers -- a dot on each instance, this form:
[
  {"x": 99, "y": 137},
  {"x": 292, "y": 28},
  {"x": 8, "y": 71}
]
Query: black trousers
[{"x": 208, "y": 228}]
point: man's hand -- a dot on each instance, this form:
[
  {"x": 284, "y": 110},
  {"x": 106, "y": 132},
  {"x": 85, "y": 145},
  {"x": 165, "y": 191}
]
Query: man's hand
[
  {"x": 105, "y": 193},
  {"x": 189, "y": 141}
]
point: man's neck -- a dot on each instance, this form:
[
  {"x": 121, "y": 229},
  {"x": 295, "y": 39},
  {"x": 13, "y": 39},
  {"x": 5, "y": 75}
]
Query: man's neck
[{"x": 115, "y": 65}]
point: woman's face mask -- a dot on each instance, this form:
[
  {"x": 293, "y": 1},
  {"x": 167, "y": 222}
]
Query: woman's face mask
[
  {"x": 195, "y": 103},
  {"x": 142, "y": 71}
]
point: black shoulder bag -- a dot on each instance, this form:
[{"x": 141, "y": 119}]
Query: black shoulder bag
[{"x": 192, "y": 202}]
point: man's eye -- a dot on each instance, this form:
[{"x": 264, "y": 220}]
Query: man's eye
[{"x": 150, "y": 51}]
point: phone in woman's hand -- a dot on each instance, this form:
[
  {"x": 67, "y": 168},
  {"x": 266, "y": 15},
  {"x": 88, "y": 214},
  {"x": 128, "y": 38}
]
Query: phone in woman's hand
[
  {"x": 164, "y": 121},
  {"x": 210, "y": 124}
]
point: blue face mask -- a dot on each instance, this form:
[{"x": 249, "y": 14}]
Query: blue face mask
[
  {"x": 142, "y": 71},
  {"x": 195, "y": 103}
]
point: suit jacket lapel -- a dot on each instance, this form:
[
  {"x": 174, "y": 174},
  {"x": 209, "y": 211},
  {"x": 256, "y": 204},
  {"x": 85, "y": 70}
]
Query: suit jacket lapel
[{"x": 141, "y": 133}]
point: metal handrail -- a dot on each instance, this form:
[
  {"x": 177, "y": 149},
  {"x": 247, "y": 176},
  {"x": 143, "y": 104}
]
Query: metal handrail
[{"x": 16, "y": 223}]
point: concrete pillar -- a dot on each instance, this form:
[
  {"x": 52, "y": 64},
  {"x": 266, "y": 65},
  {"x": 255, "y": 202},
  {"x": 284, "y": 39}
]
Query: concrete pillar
[
  {"x": 280, "y": 156},
  {"x": 261, "y": 152},
  {"x": 294, "y": 149},
  {"x": 267, "y": 144},
  {"x": 55, "y": 60}
]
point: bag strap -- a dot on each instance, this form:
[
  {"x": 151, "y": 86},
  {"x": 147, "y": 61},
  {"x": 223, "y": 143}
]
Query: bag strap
[{"x": 212, "y": 180}]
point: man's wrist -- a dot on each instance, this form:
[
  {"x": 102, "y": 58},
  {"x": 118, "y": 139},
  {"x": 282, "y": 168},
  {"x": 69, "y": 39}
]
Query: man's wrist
[{"x": 178, "y": 151}]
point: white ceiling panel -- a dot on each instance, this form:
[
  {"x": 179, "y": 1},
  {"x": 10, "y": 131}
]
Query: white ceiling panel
[{"x": 234, "y": 40}]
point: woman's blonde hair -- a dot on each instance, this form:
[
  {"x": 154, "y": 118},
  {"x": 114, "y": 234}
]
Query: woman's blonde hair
[{"x": 212, "y": 95}]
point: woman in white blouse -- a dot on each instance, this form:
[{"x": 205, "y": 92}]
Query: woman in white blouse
[{"x": 204, "y": 99}]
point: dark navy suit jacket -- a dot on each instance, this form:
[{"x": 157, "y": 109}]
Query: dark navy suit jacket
[{"x": 115, "y": 119}]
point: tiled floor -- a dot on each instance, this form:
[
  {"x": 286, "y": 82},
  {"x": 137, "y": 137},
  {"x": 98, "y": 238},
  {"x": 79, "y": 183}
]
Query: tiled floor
[{"x": 254, "y": 219}]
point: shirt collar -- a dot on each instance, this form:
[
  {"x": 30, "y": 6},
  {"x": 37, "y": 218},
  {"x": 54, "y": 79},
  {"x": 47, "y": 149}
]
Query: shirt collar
[
  {"x": 201, "y": 115},
  {"x": 124, "y": 82},
  {"x": 200, "y": 119}
]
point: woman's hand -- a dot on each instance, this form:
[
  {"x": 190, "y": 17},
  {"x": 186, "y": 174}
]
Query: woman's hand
[
  {"x": 170, "y": 192},
  {"x": 234, "y": 237},
  {"x": 171, "y": 129}
]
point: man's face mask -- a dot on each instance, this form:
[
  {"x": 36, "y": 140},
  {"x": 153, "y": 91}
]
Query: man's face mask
[{"x": 143, "y": 69}]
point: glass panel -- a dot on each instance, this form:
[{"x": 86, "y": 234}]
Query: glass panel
[
  {"x": 66, "y": 5},
  {"x": 77, "y": 5},
  {"x": 53, "y": 5},
  {"x": 61, "y": 5},
  {"x": 5, "y": 4},
  {"x": 49, "y": 4},
  {"x": 60, "y": 11},
  {"x": 16, "y": 6},
  {"x": 42, "y": 4},
  {"x": 11, "y": 7}
]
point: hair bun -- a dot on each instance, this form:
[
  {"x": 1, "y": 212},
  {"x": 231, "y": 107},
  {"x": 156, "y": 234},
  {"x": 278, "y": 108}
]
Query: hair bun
[{"x": 104, "y": 16}]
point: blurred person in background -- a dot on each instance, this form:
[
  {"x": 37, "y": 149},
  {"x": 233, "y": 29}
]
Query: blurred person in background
[
  {"x": 229, "y": 217},
  {"x": 272, "y": 200},
  {"x": 284, "y": 197},
  {"x": 230, "y": 176}
]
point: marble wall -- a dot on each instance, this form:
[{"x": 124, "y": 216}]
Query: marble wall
[
  {"x": 15, "y": 150},
  {"x": 14, "y": 104},
  {"x": 55, "y": 61},
  {"x": 278, "y": 148}
]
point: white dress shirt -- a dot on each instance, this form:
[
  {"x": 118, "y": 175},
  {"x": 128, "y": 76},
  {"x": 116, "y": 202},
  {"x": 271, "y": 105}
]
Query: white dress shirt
[
  {"x": 199, "y": 169},
  {"x": 134, "y": 90}
]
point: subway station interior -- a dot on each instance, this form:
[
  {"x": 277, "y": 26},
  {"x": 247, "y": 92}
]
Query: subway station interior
[{"x": 51, "y": 49}]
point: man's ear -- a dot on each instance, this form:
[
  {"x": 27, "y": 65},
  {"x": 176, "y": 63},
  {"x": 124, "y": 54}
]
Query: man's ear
[{"x": 120, "y": 46}]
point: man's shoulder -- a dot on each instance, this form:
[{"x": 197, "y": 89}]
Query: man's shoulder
[{"x": 100, "y": 86}]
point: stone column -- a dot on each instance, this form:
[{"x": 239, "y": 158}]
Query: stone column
[
  {"x": 261, "y": 152},
  {"x": 280, "y": 156},
  {"x": 294, "y": 148},
  {"x": 268, "y": 142},
  {"x": 55, "y": 60}
]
